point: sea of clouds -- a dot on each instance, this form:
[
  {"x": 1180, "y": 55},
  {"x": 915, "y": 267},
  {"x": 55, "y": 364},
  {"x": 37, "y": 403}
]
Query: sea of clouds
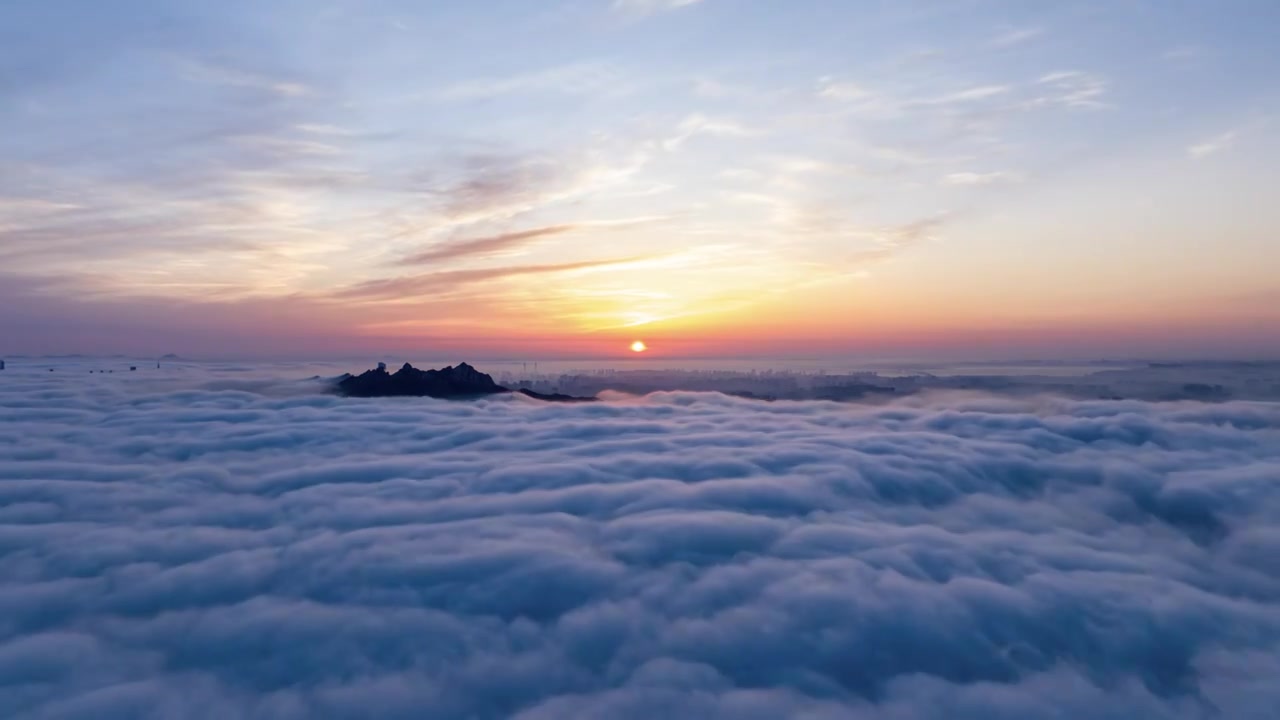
[{"x": 199, "y": 547}]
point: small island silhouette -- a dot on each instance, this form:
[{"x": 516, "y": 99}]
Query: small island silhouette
[{"x": 460, "y": 381}]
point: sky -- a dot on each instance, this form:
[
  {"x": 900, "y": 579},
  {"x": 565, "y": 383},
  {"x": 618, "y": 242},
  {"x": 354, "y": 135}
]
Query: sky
[{"x": 503, "y": 178}]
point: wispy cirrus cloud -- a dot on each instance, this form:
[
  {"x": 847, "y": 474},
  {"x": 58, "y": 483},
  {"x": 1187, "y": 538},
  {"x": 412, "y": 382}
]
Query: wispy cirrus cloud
[
  {"x": 490, "y": 188},
  {"x": 583, "y": 78},
  {"x": 438, "y": 283},
  {"x": 483, "y": 246},
  {"x": 967, "y": 95},
  {"x": 1214, "y": 145},
  {"x": 845, "y": 91},
  {"x": 1016, "y": 36},
  {"x": 980, "y": 178},
  {"x": 515, "y": 240},
  {"x": 1071, "y": 89},
  {"x": 230, "y": 76},
  {"x": 1184, "y": 53},
  {"x": 699, "y": 124},
  {"x": 648, "y": 7}
]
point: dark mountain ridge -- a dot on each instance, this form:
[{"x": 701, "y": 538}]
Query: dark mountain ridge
[{"x": 453, "y": 381}]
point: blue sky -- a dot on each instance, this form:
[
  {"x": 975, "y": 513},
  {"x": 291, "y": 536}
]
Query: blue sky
[{"x": 893, "y": 175}]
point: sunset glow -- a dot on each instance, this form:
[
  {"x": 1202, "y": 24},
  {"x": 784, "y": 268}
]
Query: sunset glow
[
  {"x": 822, "y": 177},
  {"x": 638, "y": 346}
]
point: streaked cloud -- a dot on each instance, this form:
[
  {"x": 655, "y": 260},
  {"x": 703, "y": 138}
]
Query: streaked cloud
[
  {"x": 480, "y": 247},
  {"x": 1184, "y": 54},
  {"x": 16, "y": 208},
  {"x": 973, "y": 94},
  {"x": 234, "y": 77},
  {"x": 1016, "y": 36},
  {"x": 1214, "y": 145},
  {"x": 843, "y": 91},
  {"x": 647, "y": 7},
  {"x": 437, "y": 283},
  {"x": 574, "y": 79},
  {"x": 699, "y": 124},
  {"x": 979, "y": 178},
  {"x": 516, "y": 240},
  {"x": 1072, "y": 89}
]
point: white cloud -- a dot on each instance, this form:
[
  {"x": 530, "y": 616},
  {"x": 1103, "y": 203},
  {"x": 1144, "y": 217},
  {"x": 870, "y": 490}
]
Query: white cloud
[
  {"x": 861, "y": 99},
  {"x": 575, "y": 79},
  {"x": 235, "y": 77},
  {"x": 646, "y": 7},
  {"x": 1016, "y": 36},
  {"x": 1071, "y": 89},
  {"x": 699, "y": 124},
  {"x": 1183, "y": 53},
  {"x": 327, "y": 130},
  {"x": 237, "y": 545},
  {"x": 975, "y": 178},
  {"x": 973, "y": 94},
  {"x": 843, "y": 91},
  {"x": 1213, "y": 145},
  {"x": 286, "y": 146},
  {"x": 17, "y": 206},
  {"x": 716, "y": 89}
]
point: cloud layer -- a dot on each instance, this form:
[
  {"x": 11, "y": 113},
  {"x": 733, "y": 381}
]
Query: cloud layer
[{"x": 256, "y": 549}]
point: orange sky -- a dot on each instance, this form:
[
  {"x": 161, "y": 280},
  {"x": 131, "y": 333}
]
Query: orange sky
[{"x": 923, "y": 182}]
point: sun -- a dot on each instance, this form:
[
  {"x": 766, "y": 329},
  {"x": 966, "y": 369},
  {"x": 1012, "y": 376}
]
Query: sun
[{"x": 638, "y": 346}]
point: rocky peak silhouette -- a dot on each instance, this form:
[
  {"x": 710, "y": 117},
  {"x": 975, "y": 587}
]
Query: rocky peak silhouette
[{"x": 453, "y": 381}]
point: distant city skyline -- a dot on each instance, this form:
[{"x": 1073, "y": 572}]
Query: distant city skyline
[{"x": 716, "y": 178}]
